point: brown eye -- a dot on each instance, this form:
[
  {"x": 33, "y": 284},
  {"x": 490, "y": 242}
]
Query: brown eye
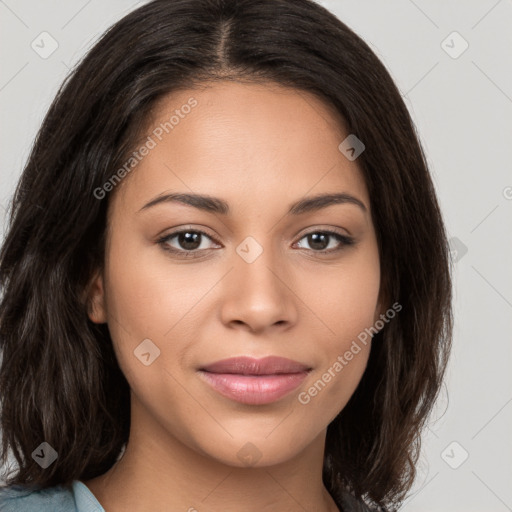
[
  {"x": 185, "y": 242},
  {"x": 188, "y": 240},
  {"x": 319, "y": 241}
]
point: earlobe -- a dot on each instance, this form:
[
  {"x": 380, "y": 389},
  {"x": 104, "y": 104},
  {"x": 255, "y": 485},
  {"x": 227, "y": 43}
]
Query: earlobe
[{"x": 96, "y": 309}]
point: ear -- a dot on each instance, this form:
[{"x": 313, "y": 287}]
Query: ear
[{"x": 96, "y": 309}]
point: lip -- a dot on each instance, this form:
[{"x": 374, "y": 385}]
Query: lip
[{"x": 254, "y": 381}]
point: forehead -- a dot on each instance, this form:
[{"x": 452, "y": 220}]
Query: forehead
[{"x": 243, "y": 141}]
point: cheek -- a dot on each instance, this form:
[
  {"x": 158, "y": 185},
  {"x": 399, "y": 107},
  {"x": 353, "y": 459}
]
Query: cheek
[
  {"x": 150, "y": 294},
  {"x": 345, "y": 300},
  {"x": 341, "y": 366},
  {"x": 344, "y": 296},
  {"x": 151, "y": 298}
]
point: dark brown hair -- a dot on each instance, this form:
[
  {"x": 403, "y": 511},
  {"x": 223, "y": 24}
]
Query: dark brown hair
[{"x": 59, "y": 378}]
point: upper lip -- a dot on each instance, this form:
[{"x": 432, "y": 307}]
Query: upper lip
[{"x": 270, "y": 365}]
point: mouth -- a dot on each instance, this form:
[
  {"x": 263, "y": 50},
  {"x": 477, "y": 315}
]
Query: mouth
[{"x": 254, "y": 381}]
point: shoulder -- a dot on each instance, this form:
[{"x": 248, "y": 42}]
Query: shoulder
[{"x": 18, "y": 498}]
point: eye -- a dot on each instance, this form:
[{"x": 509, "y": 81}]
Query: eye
[
  {"x": 188, "y": 242},
  {"x": 321, "y": 240}
]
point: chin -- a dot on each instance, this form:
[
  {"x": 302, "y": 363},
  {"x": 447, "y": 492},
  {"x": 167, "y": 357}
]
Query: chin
[{"x": 257, "y": 451}]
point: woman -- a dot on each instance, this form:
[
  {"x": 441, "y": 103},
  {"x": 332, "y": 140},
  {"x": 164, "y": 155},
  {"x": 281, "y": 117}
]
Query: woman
[{"x": 226, "y": 280}]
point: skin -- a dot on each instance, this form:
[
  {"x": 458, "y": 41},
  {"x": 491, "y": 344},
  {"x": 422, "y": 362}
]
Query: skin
[{"x": 260, "y": 148}]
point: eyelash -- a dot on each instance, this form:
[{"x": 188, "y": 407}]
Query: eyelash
[{"x": 163, "y": 242}]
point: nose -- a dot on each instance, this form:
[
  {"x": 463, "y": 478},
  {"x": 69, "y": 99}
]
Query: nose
[{"x": 259, "y": 296}]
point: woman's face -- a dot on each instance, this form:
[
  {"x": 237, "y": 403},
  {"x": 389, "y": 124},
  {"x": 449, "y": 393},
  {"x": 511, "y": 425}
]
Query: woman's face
[{"x": 255, "y": 284}]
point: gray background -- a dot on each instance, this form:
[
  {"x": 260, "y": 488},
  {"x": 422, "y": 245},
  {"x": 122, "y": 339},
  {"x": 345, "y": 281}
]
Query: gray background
[{"x": 462, "y": 106}]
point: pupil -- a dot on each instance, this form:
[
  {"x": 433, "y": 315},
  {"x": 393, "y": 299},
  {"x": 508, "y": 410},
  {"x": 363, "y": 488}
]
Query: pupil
[{"x": 189, "y": 241}]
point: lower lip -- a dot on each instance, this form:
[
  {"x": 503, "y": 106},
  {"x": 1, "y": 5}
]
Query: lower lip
[{"x": 254, "y": 389}]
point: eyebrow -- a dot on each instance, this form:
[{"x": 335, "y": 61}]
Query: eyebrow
[{"x": 217, "y": 205}]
